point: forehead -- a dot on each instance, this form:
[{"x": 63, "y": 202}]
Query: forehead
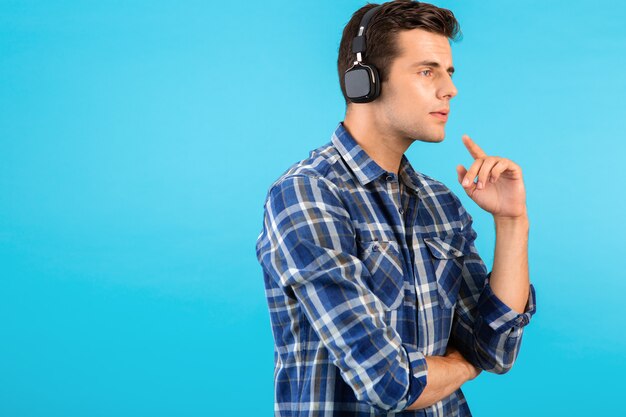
[{"x": 418, "y": 44}]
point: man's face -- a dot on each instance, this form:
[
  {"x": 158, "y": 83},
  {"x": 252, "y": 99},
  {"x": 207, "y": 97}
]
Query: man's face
[{"x": 417, "y": 87}]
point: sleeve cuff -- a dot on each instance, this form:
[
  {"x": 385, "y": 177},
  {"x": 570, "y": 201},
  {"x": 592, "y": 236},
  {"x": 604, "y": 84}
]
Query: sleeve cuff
[
  {"x": 498, "y": 315},
  {"x": 418, "y": 371}
]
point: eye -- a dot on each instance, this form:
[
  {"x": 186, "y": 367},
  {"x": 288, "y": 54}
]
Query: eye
[{"x": 429, "y": 71}]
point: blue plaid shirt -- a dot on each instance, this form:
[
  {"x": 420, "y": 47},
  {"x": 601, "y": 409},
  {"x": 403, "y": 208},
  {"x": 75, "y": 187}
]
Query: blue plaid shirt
[{"x": 367, "y": 272}]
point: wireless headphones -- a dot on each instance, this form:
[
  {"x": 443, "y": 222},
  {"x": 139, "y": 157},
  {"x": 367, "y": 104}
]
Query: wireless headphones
[{"x": 361, "y": 80}]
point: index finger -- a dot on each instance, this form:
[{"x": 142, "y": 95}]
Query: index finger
[{"x": 473, "y": 148}]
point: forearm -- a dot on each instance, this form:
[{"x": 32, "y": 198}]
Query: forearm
[
  {"x": 487, "y": 326},
  {"x": 445, "y": 375},
  {"x": 509, "y": 275}
]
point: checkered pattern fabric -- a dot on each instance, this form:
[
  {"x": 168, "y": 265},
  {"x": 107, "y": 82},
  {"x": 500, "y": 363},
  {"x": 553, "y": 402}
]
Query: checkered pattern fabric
[{"x": 366, "y": 273}]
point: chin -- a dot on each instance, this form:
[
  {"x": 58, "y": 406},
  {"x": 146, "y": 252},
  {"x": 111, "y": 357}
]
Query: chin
[{"x": 437, "y": 137}]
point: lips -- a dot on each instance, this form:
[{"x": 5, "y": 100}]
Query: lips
[{"x": 441, "y": 114}]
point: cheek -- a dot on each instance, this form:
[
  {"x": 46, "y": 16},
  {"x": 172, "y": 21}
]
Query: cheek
[
  {"x": 409, "y": 95},
  {"x": 422, "y": 90},
  {"x": 417, "y": 92}
]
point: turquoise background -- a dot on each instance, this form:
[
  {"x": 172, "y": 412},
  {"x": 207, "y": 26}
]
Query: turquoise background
[{"x": 138, "y": 140}]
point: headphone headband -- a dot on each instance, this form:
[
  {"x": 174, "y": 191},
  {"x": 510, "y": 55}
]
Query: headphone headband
[{"x": 358, "y": 43}]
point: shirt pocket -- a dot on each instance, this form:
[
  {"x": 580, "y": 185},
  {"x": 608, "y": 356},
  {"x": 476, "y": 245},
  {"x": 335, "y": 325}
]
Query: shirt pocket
[
  {"x": 386, "y": 277},
  {"x": 447, "y": 261}
]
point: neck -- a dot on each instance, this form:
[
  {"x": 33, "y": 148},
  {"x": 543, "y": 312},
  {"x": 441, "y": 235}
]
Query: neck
[{"x": 378, "y": 139}]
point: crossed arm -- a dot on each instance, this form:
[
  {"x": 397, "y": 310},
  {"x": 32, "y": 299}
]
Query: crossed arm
[{"x": 510, "y": 284}]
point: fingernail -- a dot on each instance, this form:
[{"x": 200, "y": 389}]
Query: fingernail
[
  {"x": 465, "y": 181},
  {"x": 480, "y": 185}
]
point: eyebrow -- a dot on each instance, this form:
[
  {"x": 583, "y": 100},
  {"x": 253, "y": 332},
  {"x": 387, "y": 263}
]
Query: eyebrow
[{"x": 431, "y": 64}]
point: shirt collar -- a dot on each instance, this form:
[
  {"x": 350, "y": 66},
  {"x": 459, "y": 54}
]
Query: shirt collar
[{"x": 364, "y": 167}]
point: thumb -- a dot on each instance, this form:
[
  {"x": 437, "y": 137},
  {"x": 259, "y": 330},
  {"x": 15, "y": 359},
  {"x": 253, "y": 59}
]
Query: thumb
[{"x": 460, "y": 172}]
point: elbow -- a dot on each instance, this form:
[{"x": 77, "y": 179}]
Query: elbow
[
  {"x": 501, "y": 368},
  {"x": 495, "y": 364},
  {"x": 501, "y": 363},
  {"x": 499, "y": 360}
]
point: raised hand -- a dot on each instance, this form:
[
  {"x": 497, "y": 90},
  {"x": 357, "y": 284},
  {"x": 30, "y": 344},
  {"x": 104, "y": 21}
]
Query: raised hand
[{"x": 500, "y": 187}]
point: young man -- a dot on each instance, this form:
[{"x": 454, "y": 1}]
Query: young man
[{"x": 379, "y": 301}]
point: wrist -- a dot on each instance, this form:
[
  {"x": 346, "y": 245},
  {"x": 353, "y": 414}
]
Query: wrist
[
  {"x": 522, "y": 219},
  {"x": 519, "y": 222}
]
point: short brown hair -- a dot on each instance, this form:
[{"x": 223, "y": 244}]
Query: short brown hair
[{"x": 381, "y": 33}]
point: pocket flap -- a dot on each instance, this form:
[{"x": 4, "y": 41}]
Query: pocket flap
[
  {"x": 446, "y": 247},
  {"x": 386, "y": 278}
]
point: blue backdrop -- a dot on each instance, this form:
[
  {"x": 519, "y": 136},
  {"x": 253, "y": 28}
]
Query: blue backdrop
[{"x": 137, "y": 143}]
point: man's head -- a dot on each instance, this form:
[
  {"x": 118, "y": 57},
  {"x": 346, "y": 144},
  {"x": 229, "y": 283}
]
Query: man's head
[{"x": 408, "y": 42}]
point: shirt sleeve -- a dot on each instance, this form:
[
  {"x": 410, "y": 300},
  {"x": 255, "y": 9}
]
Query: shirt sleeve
[
  {"x": 485, "y": 330},
  {"x": 310, "y": 250}
]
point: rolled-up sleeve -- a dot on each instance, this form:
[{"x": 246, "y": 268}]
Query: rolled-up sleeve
[
  {"x": 498, "y": 318},
  {"x": 486, "y": 330},
  {"x": 309, "y": 249}
]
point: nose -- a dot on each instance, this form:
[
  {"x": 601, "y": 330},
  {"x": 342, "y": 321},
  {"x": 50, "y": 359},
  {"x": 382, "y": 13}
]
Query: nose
[{"x": 448, "y": 90}]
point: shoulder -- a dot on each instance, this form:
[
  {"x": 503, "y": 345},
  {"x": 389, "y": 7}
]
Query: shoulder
[{"x": 320, "y": 170}]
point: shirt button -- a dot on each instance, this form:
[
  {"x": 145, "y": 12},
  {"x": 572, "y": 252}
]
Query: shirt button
[
  {"x": 374, "y": 248},
  {"x": 400, "y": 210},
  {"x": 389, "y": 177}
]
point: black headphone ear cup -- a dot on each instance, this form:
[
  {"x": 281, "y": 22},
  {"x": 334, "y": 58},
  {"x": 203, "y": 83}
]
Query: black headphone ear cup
[
  {"x": 362, "y": 83},
  {"x": 357, "y": 83}
]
